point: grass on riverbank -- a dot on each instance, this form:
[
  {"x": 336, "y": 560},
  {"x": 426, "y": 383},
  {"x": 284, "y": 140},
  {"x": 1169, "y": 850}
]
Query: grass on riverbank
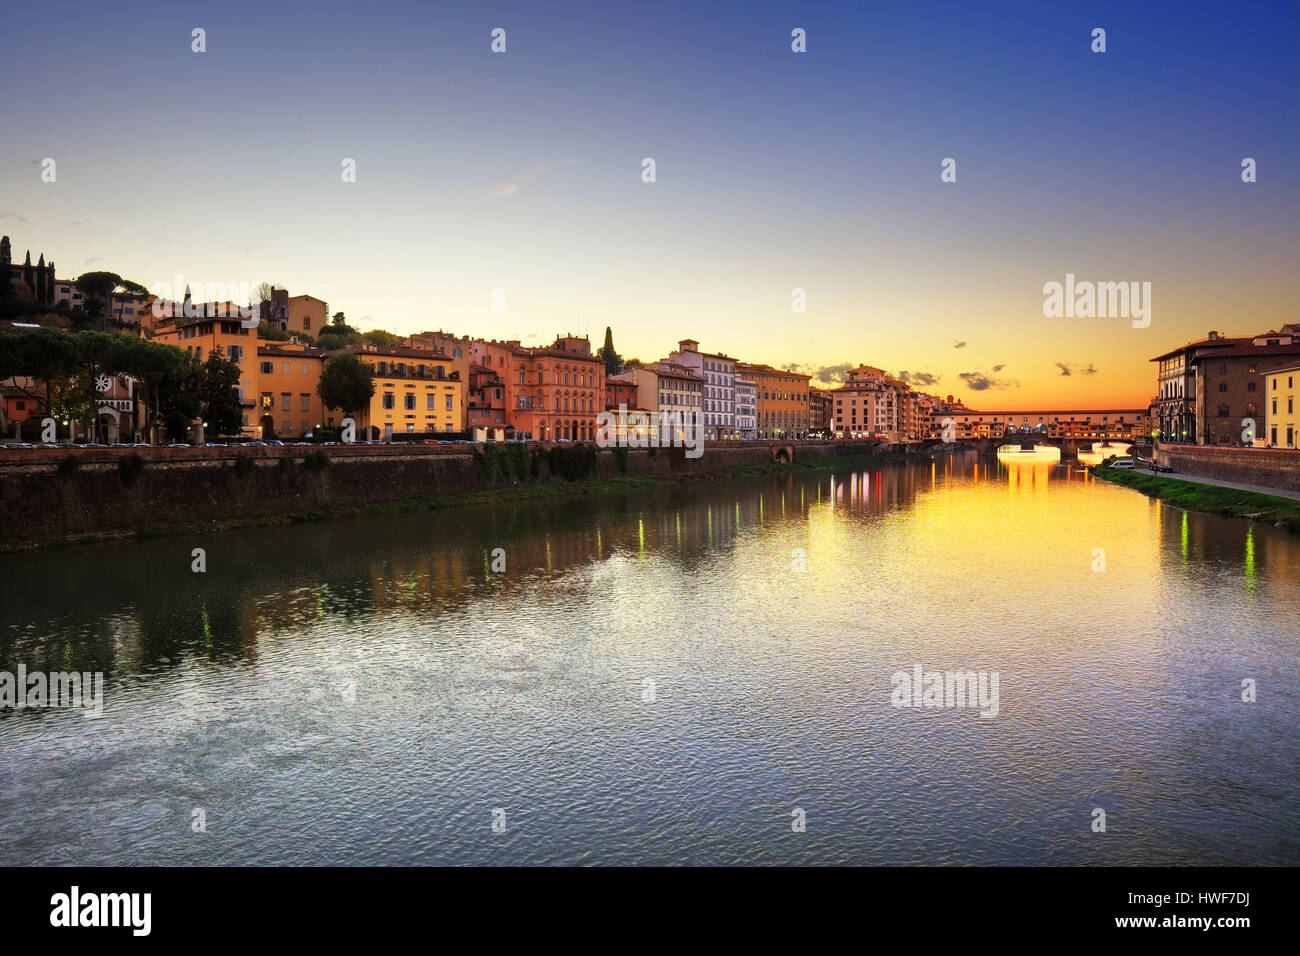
[
  {"x": 500, "y": 493},
  {"x": 1211, "y": 499}
]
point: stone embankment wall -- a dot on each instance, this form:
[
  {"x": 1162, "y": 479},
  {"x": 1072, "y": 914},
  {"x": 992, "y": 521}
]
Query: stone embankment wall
[
  {"x": 1271, "y": 467},
  {"x": 44, "y": 498}
]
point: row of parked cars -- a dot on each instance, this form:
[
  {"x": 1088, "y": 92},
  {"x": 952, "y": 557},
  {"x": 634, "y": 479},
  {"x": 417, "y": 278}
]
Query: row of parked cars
[{"x": 1138, "y": 462}]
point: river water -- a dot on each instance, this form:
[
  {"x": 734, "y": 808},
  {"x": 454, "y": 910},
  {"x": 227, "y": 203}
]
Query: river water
[{"x": 692, "y": 673}]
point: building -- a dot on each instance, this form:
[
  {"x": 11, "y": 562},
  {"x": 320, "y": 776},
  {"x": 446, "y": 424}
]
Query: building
[
  {"x": 1282, "y": 428},
  {"x": 667, "y": 387},
  {"x": 1229, "y": 401},
  {"x": 486, "y": 405},
  {"x": 782, "y": 399},
  {"x": 1176, "y": 387},
  {"x": 718, "y": 373},
  {"x": 746, "y": 408},
  {"x": 36, "y": 281},
  {"x": 416, "y": 392},
  {"x": 820, "y": 410},
  {"x": 459, "y": 349},
  {"x": 555, "y": 393},
  {"x": 288, "y": 404},
  {"x": 296, "y": 313},
  {"x": 619, "y": 392},
  {"x": 866, "y": 405},
  {"x": 1132, "y": 423},
  {"x": 217, "y": 327}
]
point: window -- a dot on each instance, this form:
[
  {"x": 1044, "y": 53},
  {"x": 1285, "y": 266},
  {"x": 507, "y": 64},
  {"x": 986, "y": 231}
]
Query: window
[
  {"x": 450, "y": 402},
  {"x": 286, "y": 368},
  {"x": 286, "y": 402},
  {"x": 388, "y": 400},
  {"x": 306, "y": 401},
  {"x": 408, "y": 401},
  {"x": 1223, "y": 386},
  {"x": 429, "y": 407},
  {"x": 268, "y": 402},
  {"x": 268, "y": 368}
]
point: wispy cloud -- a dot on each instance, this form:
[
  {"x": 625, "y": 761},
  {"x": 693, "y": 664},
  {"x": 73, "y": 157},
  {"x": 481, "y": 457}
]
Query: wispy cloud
[
  {"x": 1068, "y": 368},
  {"x": 6, "y": 214},
  {"x": 979, "y": 382},
  {"x": 918, "y": 378},
  {"x": 505, "y": 190},
  {"x": 959, "y": 345}
]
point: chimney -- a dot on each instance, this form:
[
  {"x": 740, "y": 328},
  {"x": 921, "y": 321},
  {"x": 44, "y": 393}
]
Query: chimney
[{"x": 1213, "y": 336}]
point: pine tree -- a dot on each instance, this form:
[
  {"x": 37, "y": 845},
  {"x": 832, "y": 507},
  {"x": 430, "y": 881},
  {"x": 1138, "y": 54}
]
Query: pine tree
[{"x": 613, "y": 362}]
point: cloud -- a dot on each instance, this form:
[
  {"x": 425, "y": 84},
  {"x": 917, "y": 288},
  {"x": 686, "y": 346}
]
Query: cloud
[
  {"x": 6, "y": 214},
  {"x": 1068, "y": 369},
  {"x": 505, "y": 190},
  {"x": 998, "y": 368},
  {"x": 918, "y": 378},
  {"x": 94, "y": 260},
  {"x": 979, "y": 382},
  {"x": 828, "y": 374},
  {"x": 959, "y": 345}
]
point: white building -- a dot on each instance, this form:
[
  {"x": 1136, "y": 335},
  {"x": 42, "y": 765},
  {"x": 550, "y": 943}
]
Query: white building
[
  {"x": 719, "y": 399},
  {"x": 746, "y": 409}
]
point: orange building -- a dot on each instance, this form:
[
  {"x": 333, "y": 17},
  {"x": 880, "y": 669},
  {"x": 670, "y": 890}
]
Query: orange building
[
  {"x": 554, "y": 394},
  {"x": 783, "y": 401},
  {"x": 288, "y": 405},
  {"x": 619, "y": 393},
  {"x": 487, "y": 398},
  {"x": 219, "y": 326}
]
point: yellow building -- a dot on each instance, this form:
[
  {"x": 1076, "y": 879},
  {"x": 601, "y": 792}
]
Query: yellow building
[
  {"x": 1282, "y": 426},
  {"x": 458, "y": 351},
  {"x": 416, "y": 391}
]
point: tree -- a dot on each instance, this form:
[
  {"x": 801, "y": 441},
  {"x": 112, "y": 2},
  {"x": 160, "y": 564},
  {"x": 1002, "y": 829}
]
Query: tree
[
  {"x": 346, "y": 383},
  {"x": 613, "y": 363},
  {"x": 218, "y": 393},
  {"x": 380, "y": 337},
  {"x": 98, "y": 288}
]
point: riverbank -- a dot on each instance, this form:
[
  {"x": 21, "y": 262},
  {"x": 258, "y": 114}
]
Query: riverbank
[
  {"x": 1207, "y": 498},
  {"x": 508, "y": 486}
]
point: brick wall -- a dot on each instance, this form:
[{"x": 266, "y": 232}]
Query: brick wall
[{"x": 1272, "y": 467}]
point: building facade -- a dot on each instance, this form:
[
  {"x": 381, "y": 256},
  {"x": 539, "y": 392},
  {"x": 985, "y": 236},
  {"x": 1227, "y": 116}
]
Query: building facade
[
  {"x": 746, "y": 408},
  {"x": 417, "y": 391},
  {"x": 1280, "y": 392},
  {"x": 782, "y": 401},
  {"x": 718, "y": 373}
]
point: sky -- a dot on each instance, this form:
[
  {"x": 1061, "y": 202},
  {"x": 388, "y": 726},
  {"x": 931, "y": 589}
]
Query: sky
[{"x": 522, "y": 171}]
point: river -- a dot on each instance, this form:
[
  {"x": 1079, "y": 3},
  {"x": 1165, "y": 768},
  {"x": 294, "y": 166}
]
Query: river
[{"x": 686, "y": 673}]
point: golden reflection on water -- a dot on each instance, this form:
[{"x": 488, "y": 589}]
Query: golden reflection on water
[{"x": 1027, "y": 523}]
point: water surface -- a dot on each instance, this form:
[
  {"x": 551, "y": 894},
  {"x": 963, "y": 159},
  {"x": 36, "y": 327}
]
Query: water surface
[{"x": 652, "y": 679}]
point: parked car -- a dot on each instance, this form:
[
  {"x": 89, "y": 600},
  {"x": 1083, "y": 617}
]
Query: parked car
[
  {"x": 1122, "y": 463},
  {"x": 93, "y": 444},
  {"x": 19, "y": 444}
]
